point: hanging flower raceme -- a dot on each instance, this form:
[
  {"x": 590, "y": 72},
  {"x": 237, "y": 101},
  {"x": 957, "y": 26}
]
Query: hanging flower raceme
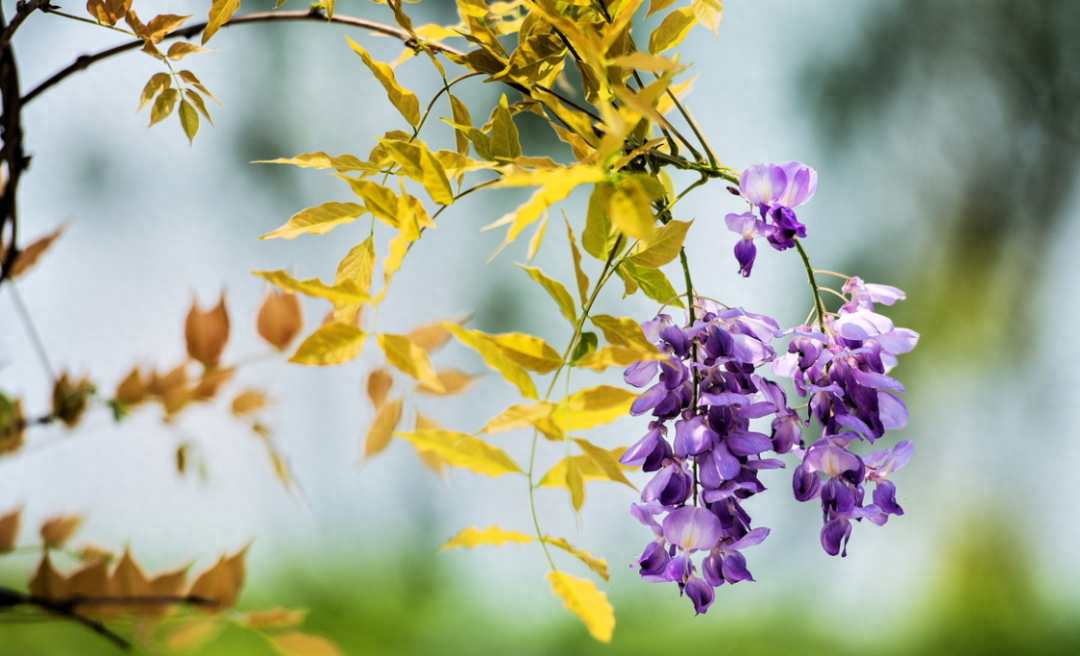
[{"x": 776, "y": 190}]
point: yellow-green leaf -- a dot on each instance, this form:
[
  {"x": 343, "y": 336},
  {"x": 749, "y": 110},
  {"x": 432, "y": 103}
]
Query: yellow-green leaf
[
  {"x": 623, "y": 331},
  {"x": 465, "y": 451},
  {"x": 598, "y": 565},
  {"x": 557, "y": 291},
  {"x": 492, "y": 535},
  {"x": 434, "y": 178},
  {"x": 505, "y": 140},
  {"x": 158, "y": 82},
  {"x": 495, "y": 358},
  {"x": 189, "y": 120},
  {"x": 328, "y": 5},
  {"x": 320, "y": 160},
  {"x": 298, "y": 643},
  {"x": 406, "y": 356},
  {"x": 164, "y": 105},
  {"x": 592, "y": 407},
  {"x": 461, "y": 117},
  {"x": 346, "y": 292},
  {"x": 653, "y": 282},
  {"x": 579, "y": 273},
  {"x": 332, "y": 343},
  {"x": 519, "y": 416},
  {"x": 181, "y": 49},
  {"x": 528, "y": 351},
  {"x": 629, "y": 208},
  {"x": 664, "y": 247},
  {"x": 318, "y": 220},
  {"x": 382, "y": 429},
  {"x": 199, "y": 103},
  {"x": 575, "y": 482},
  {"x": 220, "y": 13},
  {"x": 709, "y": 13},
  {"x": 381, "y": 201},
  {"x": 598, "y": 236},
  {"x": 585, "y": 600},
  {"x": 672, "y": 30},
  {"x": 404, "y": 100},
  {"x": 358, "y": 266}
]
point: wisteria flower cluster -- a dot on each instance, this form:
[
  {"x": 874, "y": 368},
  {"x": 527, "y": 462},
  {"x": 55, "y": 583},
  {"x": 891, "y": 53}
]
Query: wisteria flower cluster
[{"x": 718, "y": 422}]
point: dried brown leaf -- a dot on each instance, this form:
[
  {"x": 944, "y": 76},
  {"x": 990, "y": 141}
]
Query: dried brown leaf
[
  {"x": 58, "y": 530},
  {"x": 249, "y": 402},
  {"x": 221, "y": 583},
  {"x": 382, "y": 429},
  {"x": 280, "y": 319},
  {"x": 378, "y": 386},
  {"x": 9, "y": 529},
  {"x": 30, "y": 255},
  {"x": 207, "y": 332}
]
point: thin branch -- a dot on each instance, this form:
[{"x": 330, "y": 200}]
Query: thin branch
[
  {"x": 10, "y": 598},
  {"x": 315, "y": 15},
  {"x": 31, "y": 330},
  {"x": 12, "y": 151},
  {"x": 22, "y": 12}
]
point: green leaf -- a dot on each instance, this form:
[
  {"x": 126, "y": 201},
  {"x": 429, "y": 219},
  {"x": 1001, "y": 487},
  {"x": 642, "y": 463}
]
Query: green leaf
[
  {"x": 585, "y": 346},
  {"x": 505, "y": 140},
  {"x": 557, "y": 292},
  {"x": 672, "y": 30},
  {"x": 585, "y": 600},
  {"x": 664, "y": 247},
  {"x": 495, "y": 358},
  {"x": 318, "y": 220},
  {"x": 464, "y": 450},
  {"x": 189, "y": 120},
  {"x": 332, "y": 343},
  {"x": 653, "y": 282},
  {"x": 492, "y": 535},
  {"x": 404, "y": 100}
]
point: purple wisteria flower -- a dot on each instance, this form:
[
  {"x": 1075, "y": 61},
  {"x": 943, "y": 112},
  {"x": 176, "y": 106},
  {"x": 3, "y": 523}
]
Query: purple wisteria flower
[
  {"x": 716, "y": 421},
  {"x": 776, "y": 190}
]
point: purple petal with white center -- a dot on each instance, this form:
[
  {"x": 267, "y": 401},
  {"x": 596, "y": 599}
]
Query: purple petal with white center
[
  {"x": 831, "y": 460},
  {"x": 834, "y": 536},
  {"x": 802, "y": 182},
  {"x": 734, "y": 568},
  {"x": 701, "y": 593},
  {"x": 746, "y": 443},
  {"x": 679, "y": 569},
  {"x": 762, "y": 183},
  {"x": 746, "y": 225},
  {"x": 641, "y": 373},
  {"x": 862, "y": 324},
  {"x": 692, "y": 529},
  {"x": 895, "y": 342},
  {"x": 892, "y": 410}
]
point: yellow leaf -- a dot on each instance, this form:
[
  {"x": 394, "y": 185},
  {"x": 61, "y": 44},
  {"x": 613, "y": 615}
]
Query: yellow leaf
[
  {"x": 189, "y": 120},
  {"x": 221, "y": 583},
  {"x": 29, "y": 256},
  {"x": 495, "y": 358},
  {"x": 158, "y": 82},
  {"x": 557, "y": 291},
  {"x": 555, "y": 186},
  {"x": 9, "y": 530},
  {"x": 519, "y": 416},
  {"x": 430, "y": 337},
  {"x": 332, "y": 343},
  {"x": 505, "y": 141},
  {"x": 318, "y": 220},
  {"x": 249, "y": 402},
  {"x": 404, "y": 100},
  {"x": 614, "y": 356},
  {"x": 162, "y": 24},
  {"x": 297, "y": 643},
  {"x": 528, "y": 351},
  {"x": 189, "y": 77},
  {"x": 328, "y": 5},
  {"x": 598, "y": 565},
  {"x": 453, "y": 381},
  {"x": 193, "y": 633},
  {"x": 380, "y": 201},
  {"x": 664, "y": 247},
  {"x": 579, "y": 273},
  {"x": 320, "y": 160},
  {"x": 220, "y": 13},
  {"x": 605, "y": 460},
  {"x": 709, "y": 13},
  {"x": 200, "y": 105},
  {"x": 623, "y": 331},
  {"x": 576, "y": 484},
  {"x": 586, "y": 466},
  {"x": 672, "y": 30},
  {"x": 585, "y": 600},
  {"x": 164, "y": 105},
  {"x": 434, "y": 178},
  {"x": 378, "y": 386},
  {"x": 492, "y": 535},
  {"x": 359, "y": 265},
  {"x": 591, "y": 407},
  {"x": 464, "y": 450},
  {"x": 430, "y": 459},
  {"x": 461, "y": 117},
  {"x": 657, "y": 5},
  {"x": 181, "y": 49},
  {"x": 405, "y": 355},
  {"x": 346, "y": 292},
  {"x": 598, "y": 238},
  {"x": 645, "y": 62},
  {"x": 629, "y": 207},
  {"x": 382, "y": 429},
  {"x": 58, "y": 530},
  {"x": 280, "y": 319},
  {"x": 537, "y": 239}
]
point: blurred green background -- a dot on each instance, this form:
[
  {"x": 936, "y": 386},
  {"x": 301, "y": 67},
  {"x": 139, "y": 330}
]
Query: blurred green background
[{"x": 946, "y": 134}]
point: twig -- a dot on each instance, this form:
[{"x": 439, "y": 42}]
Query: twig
[{"x": 22, "y": 12}]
